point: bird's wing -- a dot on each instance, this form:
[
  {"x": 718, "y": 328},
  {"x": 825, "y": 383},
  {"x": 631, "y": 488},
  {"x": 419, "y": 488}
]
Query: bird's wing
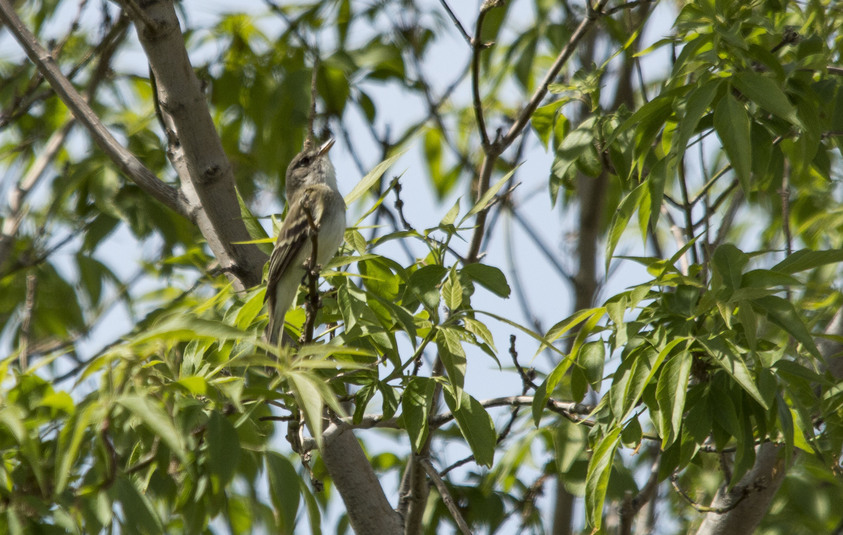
[{"x": 292, "y": 237}]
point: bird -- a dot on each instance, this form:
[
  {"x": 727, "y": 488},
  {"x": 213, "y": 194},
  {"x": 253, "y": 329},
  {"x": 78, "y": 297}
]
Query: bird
[{"x": 314, "y": 205}]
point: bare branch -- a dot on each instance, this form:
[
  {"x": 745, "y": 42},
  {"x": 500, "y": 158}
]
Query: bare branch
[
  {"x": 28, "y": 309},
  {"x": 632, "y": 504},
  {"x": 17, "y": 209},
  {"x": 445, "y": 494},
  {"x": 207, "y": 177},
  {"x": 563, "y": 57},
  {"x": 456, "y": 22},
  {"x": 477, "y": 47},
  {"x": 122, "y": 157},
  {"x": 493, "y": 150},
  {"x": 740, "y": 493}
]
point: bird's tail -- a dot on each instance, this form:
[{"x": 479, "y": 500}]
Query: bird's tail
[{"x": 272, "y": 332}]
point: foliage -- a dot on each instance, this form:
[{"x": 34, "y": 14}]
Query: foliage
[{"x": 716, "y": 178}]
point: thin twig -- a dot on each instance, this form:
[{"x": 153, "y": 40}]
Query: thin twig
[
  {"x": 744, "y": 490},
  {"x": 313, "y": 302},
  {"x": 28, "y": 310},
  {"x": 524, "y": 116},
  {"x": 147, "y": 460},
  {"x": 627, "y": 5},
  {"x": 526, "y": 377},
  {"x": 399, "y": 204},
  {"x": 492, "y": 151},
  {"x": 687, "y": 210},
  {"x": 445, "y": 494},
  {"x": 139, "y": 14},
  {"x": 632, "y": 504},
  {"x": 477, "y": 47},
  {"x": 785, "y": 195},
  {"x": 456, "y": 22},
  {"x": 310, "y": 139}
]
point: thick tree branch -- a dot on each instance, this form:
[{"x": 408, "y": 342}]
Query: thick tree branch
[
  {"x": 367, "y": 507},
  {"x": 207, "y": 175},
  {"x": 767, "y": 474}
]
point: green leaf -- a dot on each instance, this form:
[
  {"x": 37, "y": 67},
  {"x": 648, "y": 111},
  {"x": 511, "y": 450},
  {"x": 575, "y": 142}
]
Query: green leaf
[
  {"x": 659, "y": 174},
  {"x": 452, "y": 291},
  {"x": 158, "y": 421},
  {"x": 314, "y": 515},
  {"x": 597, "y": 477},
  {"x": 451, "y": 216},
  {"x": 697, "y": 103},
  {"x": 488, "y": 196},
  {"x": 417, "y": 402},
  {"x": 558, "y": 330},
  {"x": 547, "y": 387},
  {"x": 474, "y": 423},
  {"x": 783, "y": 313},
  {"x": 379, "y": 278},
  {"x": 734, "y": 365},
  {"x": 621, "y": 218},
  {"x": 480, "y": 330},
  {"x": 452, "y": 354},
  {"x": 732, "y": 125},
  {"x": 433, "y": 143},
  {"x": 283, "y": 489},
  {"x": 372, "y": 177},
  {"x": 728, "y": 262},
  {"x": 529, "y": 332},
  {"x": 223, "y": 450},
  {"x": 591, "y": 358},
  {"x": 489, "y": 277},
  {"x": 569, "y": 442},
  {"x": 310, "y": 401},
  {"x": 543, "y": 119},
  {"x": 671, "y": 391},
  {"x": 70, "y": 442},
  {"x": 805, "y": 259},
  {"x": 655, "y": 111},
  {"x": 253, "y": 226},
  {"x": 424, "y": 285},
  {"x": 12, "y": 417},
  {"x": 765, "y": 278},
  {"x": 765, "y": 92},
  {"x": 186, "y": 327},
  {"x": 574, "y": 147},
  {"x": 138, "y": 514}
]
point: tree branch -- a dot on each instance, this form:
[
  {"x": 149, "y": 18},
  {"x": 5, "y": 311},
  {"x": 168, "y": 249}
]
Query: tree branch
[
  {"x": 445, "y": 494},
  {"x": 122, "y": 157},
  {"x": 768, "y": 471},
  {"x": 456, "y": 22},
  {"x": 477, "y": 46},
  {"x": 493, "y": 150},
  {"x": 206, "y": 174}
]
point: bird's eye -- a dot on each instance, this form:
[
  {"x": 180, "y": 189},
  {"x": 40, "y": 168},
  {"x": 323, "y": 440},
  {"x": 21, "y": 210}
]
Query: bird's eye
[{"x": 304, "y": 162}]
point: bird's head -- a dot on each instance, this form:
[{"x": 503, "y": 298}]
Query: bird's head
[{"x": 311, "y": 166}]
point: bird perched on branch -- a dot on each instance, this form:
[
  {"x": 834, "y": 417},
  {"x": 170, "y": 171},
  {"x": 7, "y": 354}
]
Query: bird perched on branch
[{"x": 315, "y": 206}]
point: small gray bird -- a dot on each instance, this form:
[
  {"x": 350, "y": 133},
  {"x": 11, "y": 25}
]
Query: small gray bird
[{"x": 315, "y": 205}]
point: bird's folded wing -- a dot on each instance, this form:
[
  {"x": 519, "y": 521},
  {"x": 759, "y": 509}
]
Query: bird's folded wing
[{"x": 292, "y": 237}]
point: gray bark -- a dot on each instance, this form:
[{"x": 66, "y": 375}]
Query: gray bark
[{"x": 767, "y": 474}]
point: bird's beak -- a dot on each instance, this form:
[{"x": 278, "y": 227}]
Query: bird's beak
[{"x": 323, "y": 150}]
